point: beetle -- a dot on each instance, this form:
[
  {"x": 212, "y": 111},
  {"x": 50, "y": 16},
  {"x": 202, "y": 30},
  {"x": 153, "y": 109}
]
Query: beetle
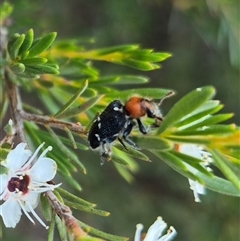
[{"x": 117, "y": 121}]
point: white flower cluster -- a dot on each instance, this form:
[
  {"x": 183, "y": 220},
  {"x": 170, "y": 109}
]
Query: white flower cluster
[
  {"x": 195, "y": 151},
  {"x": 155, "y": 232},
  {"x": 26, "y": 178}
]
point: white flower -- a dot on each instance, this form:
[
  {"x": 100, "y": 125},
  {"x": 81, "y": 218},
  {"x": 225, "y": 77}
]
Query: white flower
[
  {"x": 155, "y": 232},
  {"x": 195, "y": 151},
  {"x": 21, "y": 186}
]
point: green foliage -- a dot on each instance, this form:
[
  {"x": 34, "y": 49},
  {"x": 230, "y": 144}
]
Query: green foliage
[
  {"x": 74, "y": 96},
  {"x": 24, "y": 54}
]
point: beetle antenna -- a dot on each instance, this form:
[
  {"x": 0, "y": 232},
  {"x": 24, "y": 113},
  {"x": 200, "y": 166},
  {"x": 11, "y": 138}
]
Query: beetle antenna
[{"x": 169, "y": 94}]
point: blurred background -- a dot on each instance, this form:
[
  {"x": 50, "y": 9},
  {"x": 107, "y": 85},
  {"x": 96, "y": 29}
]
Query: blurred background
[{"x": 203, "y": 37}]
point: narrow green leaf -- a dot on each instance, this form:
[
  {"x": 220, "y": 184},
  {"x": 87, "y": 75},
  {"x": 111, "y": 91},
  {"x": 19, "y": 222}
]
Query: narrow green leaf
[
  {"x": 43, "y": 44},
  {"x": 50, "y": 236},
  {"x": 119, "y": 80},
  {"x": 194, "y": 162},
  {"x": 210, "y": 120},
  {"x": 41, "y": 69},
  {"x": 33, "y": 61},
  {"x": 72, "y": 100},
  {"x": 124, "y": 172},
  {"x": 65, "y": 150},
  {"x": 210, "y": 107},
  {"x": 27, "y": 43},
  {"x": 208, "y": 130},
  {"x": 71, "y": 138},
  {"x": 27, "y": 75},
  {"x": 109, "y": 50},
  {"x": 133, "y": 152},
  {"x": 151, "y": 143},
  {"x": 100, "y": 234},
  {"x": 86, "y": 208},
  {"x": 72, "y": 198},
  {"x": 14, "y": 45},
  {"x": 17, "y": 68},
  {"x": 149, "y": 56},
  {"x": 71, "y": 181},
  {"x": 81, "y": 108},
  {"x": 151, "y": 93},
  {"x": 186, "y": 105},
  {"x": 118, "y": 159},
  {"x": 176, "y": 163},
  {"x": 201, "y": 140},
  {"x": 139, "y": 65},
  {"x": 61, "y": 228},
  {"x": 219, "y": 185},
  {"x": 46, "y": 208},
  {"x": 5, "y": 10},
  {"x": 223, "y": 165}
]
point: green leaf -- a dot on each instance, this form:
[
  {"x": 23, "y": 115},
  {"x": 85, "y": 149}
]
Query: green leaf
[
  {"x": 133, "y": 152},
  {"x": 41, "y": 69},
  {"x": 176, "y": 163},
  {"x": 119, "y": 80},
  {"x": 210, "y": 107},
  {"x": 61, "y": 228},
  {"x": 81, "y": 108},
  {"x": 194, "y": 162},
  {"x": 110, "y": 50},
  {"x": 74, "y": 199},
  {"x": 17, "y": 68},
  {"x": 139, "y": 65},
  {"x": 14, "y": 45},
  {"x": 5, "y": 10},
  {"x": 100, "y": 234},
  {"x": 118, "y": 159},
  {"x": 71, "y": 138},
  {"x": 219, "y": 185},
  {"x": 223, "y": 165},
  {"x": 151, "y": 143},
  {"x": 152, "y": 93},
  {"x": 46, "y": 208},
  {"x": 210, "y": 120},
  {"x": 72, "y": 100},
  {"x": 86, "y": 208},
  {"x": 65, "y": 150},
  {"x": 204, "y": 131},
  {"x": 186, "y": 105},
  {"x": 27, "y": 43},
  {"x": 50, "y": 236},
  {"x": 33, "y": 61},
  {"x": 43, "y": 44}
]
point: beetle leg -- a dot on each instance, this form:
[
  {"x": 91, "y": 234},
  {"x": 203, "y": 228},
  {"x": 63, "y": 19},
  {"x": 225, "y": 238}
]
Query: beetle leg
[
  {"x": 141, "y": 127},
  {"x": 120, "y": 140},
  {"x": 105, "y": 153},
  {"x": 126, "y": 133}
]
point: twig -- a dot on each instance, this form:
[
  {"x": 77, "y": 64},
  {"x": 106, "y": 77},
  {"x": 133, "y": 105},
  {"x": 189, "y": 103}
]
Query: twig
[
  {"x": 65, "y": 213},
  {"x": 46, "y": 120},
  {"x": 15, "y": 107}
]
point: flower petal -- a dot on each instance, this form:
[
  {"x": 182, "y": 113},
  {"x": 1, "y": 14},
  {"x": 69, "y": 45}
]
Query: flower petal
[
  {"x": 43, "y": 170},
  {"x": 32, "y": 198},
  {"x": 17, "y": 157},
  {"x": 155, "y": 230},
  {"x": 3, "y": 184},
  {"x": 10, "y": 212}
]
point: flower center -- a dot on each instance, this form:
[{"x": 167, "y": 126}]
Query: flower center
[{"x": 19, "y": 184}]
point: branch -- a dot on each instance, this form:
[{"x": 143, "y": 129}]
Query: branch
[
  {"x": 48, "y": 120},
  {"x": 15, "y": 107},
  {"x": 65, "y": 213}
]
